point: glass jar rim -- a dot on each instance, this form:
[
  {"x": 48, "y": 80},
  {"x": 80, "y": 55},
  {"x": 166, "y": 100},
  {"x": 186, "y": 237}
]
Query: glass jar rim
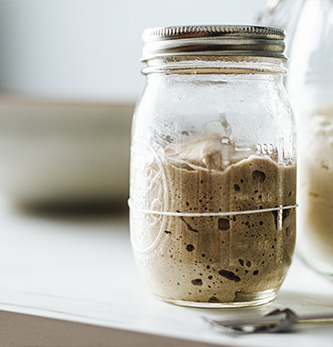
[{"x": 197, "y": 65}]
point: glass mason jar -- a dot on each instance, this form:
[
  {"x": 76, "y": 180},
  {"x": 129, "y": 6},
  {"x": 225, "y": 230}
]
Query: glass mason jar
[
  {"x": 213, "y": 166},
  {"x": 310, "y": 85}
]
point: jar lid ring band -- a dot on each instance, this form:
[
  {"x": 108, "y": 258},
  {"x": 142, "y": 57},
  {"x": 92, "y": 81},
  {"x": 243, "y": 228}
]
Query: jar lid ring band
[{"x": 213, "y": 40}]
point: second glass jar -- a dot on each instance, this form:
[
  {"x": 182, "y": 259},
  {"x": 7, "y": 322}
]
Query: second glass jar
[{"x": 213, "y": 167}]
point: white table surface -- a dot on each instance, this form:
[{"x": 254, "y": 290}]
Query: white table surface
[{"x": 80, "y": 269}]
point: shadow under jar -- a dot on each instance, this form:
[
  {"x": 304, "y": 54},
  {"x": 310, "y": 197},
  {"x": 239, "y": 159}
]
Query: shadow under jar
[{"x": 213, "y": 166}]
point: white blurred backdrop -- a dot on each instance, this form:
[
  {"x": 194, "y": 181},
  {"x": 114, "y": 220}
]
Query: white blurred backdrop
[
  {"x": 69, "y": 78},
  {"x": 91, "y": 50}
]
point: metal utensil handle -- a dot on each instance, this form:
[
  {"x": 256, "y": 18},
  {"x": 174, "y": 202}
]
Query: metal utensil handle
[{"x": 315, "y": 318}]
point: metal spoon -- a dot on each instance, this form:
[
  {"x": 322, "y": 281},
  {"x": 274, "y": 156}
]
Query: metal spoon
[{"x": 275, "y": 321}]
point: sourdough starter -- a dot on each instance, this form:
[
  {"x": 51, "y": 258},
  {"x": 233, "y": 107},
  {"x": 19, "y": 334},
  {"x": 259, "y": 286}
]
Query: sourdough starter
[
  {"x": 316, "y": 192},
  {"x": 217, "y": 259}
]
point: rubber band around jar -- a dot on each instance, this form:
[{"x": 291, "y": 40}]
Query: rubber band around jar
[{"x": 208, "y": 214}]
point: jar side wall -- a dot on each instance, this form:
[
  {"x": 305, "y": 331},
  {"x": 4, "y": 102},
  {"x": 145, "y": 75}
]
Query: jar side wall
[
  {"x": 179, "y": 107},
  {"x": 204, "y": 144}
]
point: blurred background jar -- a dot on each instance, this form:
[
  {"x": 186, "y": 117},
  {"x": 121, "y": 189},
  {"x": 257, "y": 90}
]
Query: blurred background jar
[{"x": 310, "y": 87}]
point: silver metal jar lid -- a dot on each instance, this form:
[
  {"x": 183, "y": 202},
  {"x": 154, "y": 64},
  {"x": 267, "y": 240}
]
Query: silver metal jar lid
[{"x": 213, "y": 40}]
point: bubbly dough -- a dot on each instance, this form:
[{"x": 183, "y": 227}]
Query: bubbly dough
[{"x": 219, "y": 259}]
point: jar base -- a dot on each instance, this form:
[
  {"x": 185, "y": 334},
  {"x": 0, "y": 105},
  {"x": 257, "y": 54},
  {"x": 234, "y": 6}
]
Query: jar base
[{"x": 243, "y": 300}]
